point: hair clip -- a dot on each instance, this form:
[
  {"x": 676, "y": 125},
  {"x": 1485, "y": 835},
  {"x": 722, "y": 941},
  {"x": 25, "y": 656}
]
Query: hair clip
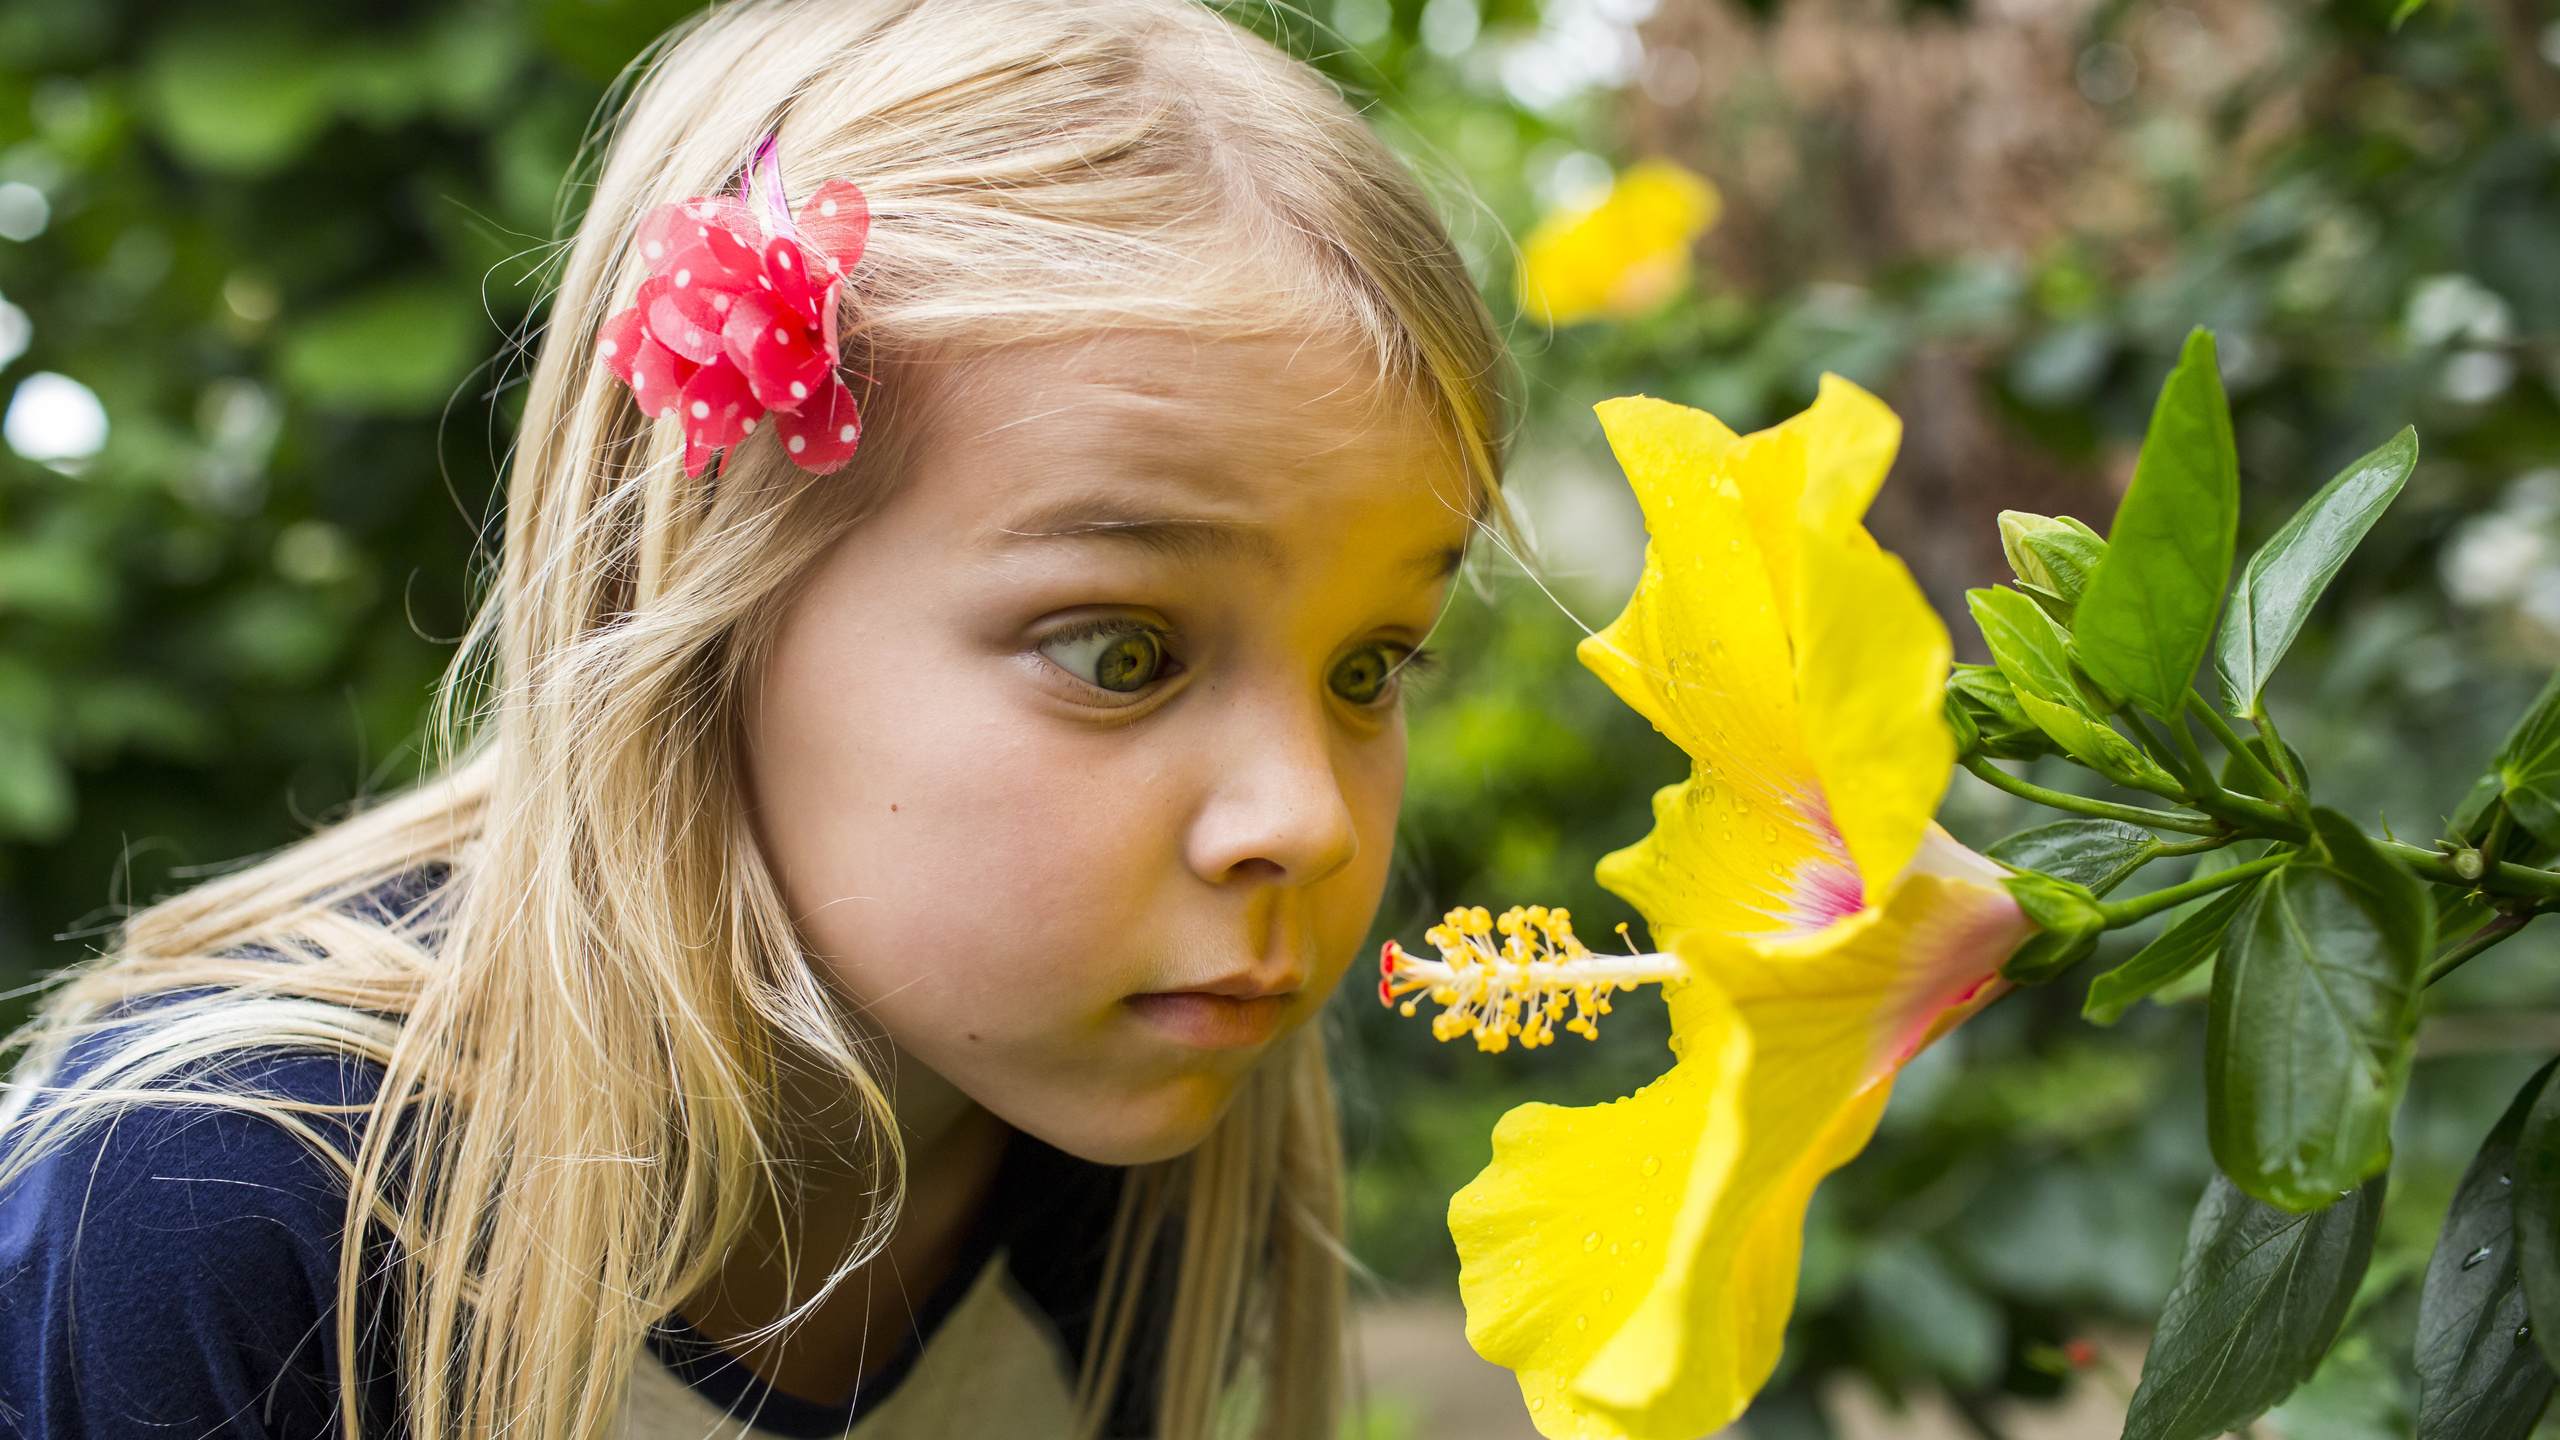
[{"x": 737, "y": 319}]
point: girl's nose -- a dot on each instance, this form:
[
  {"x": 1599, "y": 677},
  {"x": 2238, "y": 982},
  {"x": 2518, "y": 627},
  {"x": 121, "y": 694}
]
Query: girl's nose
[{"x": 1275, "y": 812}]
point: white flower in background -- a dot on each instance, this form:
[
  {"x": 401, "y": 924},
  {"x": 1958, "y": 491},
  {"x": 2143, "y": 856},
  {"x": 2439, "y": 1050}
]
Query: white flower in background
[
  {"x": 56, "y": 420},
  {"x": 2509, "y": 556},
  {"x": 1579, "y": 46},
  {"x": 2458, "y": 311},
  {"x": 2444, "y": 309}
]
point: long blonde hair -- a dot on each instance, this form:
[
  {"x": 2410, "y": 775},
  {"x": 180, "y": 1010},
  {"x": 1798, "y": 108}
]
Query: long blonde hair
[{"x": 582, "y": 1047}]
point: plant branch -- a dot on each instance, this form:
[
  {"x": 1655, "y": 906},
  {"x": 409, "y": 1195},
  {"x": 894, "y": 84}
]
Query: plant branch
[
  {"x": 2142, "y": 907},
  {"x": 2505, "y": 878},
  {"x": 2253, "y": 816},
  {"x": 2506, "y": 923},
  {"x": 2000, "y": 779}
]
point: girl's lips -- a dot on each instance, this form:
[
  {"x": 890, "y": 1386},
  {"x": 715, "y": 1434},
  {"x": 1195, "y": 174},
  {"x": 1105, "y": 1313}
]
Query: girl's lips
[{"x": 1211, "y": 1022}]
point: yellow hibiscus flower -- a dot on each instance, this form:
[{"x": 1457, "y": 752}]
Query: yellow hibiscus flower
[
  {"x": 1635, "y": 1262},
  {"x": 1622, "y": 257}
]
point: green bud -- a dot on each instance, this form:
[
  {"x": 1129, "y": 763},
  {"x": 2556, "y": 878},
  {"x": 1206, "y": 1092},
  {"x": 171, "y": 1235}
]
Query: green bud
[
  {"x": 2044, "y": 955},
  {"x": 1998, "y": 723},
  {"x": 2068, "y": 923},
  {"x": 2052, "y": 554}
]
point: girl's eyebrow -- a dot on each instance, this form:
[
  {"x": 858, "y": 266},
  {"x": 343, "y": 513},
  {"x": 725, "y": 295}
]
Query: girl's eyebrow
[
  {"x": 1184, "y": 537},
  {"x": 1180, "y": 536}
]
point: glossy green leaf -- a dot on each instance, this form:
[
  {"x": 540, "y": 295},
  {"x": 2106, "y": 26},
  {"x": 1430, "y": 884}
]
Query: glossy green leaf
[
  {"x": 2189, "y": 941},
  {"x": 2096, "y": 853},
  {"x": 2480, "y": 1376},
  {"x": 2260, "y": 1294},
  {"x": 2307, "y": 1044},
  {"x": 2400, "y": 900},
  {"x": 2528, "y": 764},
  {"x": 2288, "y": 574},
  {"x": 2537, "y": 1218},
  {"x": 2142, "y": 628},
  {"x": 2094, "y": 743}
]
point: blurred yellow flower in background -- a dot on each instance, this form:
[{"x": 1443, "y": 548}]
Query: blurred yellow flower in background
[
  {"x": 1635, "y": 1262},
  {"x": 1623, "y": 257}
]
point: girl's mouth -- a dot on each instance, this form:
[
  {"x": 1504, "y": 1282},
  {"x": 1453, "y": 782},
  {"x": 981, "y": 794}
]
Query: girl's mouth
[{"x": 1211, "y": 1022}]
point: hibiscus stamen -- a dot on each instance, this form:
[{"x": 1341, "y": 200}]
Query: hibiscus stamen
[{"x": 1514, "y": 975}]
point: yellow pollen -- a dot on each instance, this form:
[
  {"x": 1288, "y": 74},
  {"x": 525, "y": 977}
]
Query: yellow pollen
[{"x": 1520, "y": 975}]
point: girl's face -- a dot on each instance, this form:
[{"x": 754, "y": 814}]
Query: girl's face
[{"x": 1078, "y": 762}]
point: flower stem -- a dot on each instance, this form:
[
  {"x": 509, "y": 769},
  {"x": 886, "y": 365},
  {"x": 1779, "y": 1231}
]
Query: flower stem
[
  {"x": 2000, "y": 779},
  {"x": 2193, "y": 778},
  {"x": 2276, "y": 751},
  {"x": 2230, "y": 741},
  {"x": 2141, "y": 907}
]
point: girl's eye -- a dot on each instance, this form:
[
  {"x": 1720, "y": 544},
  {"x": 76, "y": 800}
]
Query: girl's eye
[
  {"x": 1367, "y": 676},
  {"x": 1121, "y": 659}
]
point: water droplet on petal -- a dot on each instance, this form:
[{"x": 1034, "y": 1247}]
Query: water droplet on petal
[
  {"x": 1538, "y": 1403},
  {"x": 1581, "y": 1322},
  {"x": 1591, "y": 1241},
  {"x": 1652, "y": 1166}
]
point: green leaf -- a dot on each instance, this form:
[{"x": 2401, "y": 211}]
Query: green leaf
[
  {"x": 2188, "y": 942},
  {"x": 2096, "y": 853},
  {"x": 2478, "y": 1377},
  {"x": 2260, "y": 1294},
  {"x": 2288, "y": 574},
  {"x": 237, "y": 100},
  {"x": 2068, "y": 923},
  {"x": 2143, "y": 626},
  {"x": 2094, "y": 743},
  {"x": 2026, "y": 644},
  {"x": 398, "y": 350},
  {"x": 2400, "y": 13},
  {"x": 2537, "y": 1232},
  {"x": 2528, "y": 764},
  {"x": 2399, "y": 899},
  {"x": 2307, "y": 1044}
]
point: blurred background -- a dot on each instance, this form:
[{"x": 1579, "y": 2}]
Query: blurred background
[{"x": 266, "y": 266}]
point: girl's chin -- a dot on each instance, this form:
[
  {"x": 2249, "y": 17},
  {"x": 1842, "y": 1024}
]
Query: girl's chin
[{"x": 1210, "y": 1022}]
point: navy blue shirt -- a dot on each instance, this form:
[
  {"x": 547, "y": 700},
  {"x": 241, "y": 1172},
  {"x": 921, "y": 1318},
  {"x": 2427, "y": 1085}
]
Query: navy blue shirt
[{"x": 173, "y": 1275}]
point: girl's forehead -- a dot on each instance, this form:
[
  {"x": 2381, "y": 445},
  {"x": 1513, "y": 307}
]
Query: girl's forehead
[
  {"x": 1153, "y": 433},
  {"x": 1162, "y": 394}
]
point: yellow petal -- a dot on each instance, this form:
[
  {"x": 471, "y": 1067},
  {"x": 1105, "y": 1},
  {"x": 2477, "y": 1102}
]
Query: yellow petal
[
  {"x": 1566, "y": 1232},
  {"x": 1801, "y": 1036},
  {"x": 1850, "y": 438},
  {"x": 1701, "y": 651},
  {"x": 1816, "y": 471},
  {"x": 1871, "y": 673}
]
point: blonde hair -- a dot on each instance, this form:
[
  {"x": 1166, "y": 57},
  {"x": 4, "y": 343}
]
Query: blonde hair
[{"x": 581, "y": 1057}]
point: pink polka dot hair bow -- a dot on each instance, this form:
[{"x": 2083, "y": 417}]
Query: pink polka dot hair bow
[{"x": 737, "y": 319}]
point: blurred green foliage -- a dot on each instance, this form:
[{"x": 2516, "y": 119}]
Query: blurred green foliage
[{"x": 289, "y": 247}]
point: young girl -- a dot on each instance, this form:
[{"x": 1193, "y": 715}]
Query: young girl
[{"x": 857, "y": 972}]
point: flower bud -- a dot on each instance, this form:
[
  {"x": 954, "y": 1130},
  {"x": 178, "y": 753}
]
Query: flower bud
[
  {"x": 1994, "y": 723},
  {"x": 2054, "y": 554},
  {"x": 2068, "y": 923}
]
